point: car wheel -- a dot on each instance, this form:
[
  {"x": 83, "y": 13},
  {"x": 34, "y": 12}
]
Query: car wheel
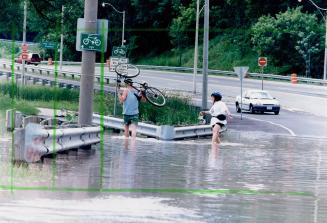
[
  {"x": 276, "y": 113},
  {"x": 238, "y": 109},
  {"x": 251, "y": 109}
]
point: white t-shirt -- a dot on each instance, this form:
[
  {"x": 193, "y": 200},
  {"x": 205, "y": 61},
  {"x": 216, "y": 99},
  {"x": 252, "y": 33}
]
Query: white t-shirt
[{"x": 218, "y": 108}]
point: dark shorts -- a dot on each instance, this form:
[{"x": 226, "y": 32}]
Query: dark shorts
[
  {"x": 220, "y": 124},
  {"x": 131, "y": 119}
]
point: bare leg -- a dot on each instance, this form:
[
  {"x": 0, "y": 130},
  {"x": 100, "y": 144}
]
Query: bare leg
[
  {"x": 126, "y": 131},
  {"x": 133, "y": 130},
  {"x": 215, "y": 134}
]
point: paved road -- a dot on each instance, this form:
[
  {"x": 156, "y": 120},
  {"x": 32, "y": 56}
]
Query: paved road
[{"x": 303, "y": 106}]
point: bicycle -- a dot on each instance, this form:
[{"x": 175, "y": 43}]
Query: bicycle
[
  {"x": 153, "y": 95},
  {"x": 93, "y": 40}
]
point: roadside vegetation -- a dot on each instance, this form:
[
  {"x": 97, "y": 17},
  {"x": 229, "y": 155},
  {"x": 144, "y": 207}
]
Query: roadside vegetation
[
  {"x": 178, "y": 111},
  {"x": 288, "y": 32}
]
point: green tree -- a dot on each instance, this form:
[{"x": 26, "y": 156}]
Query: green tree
[
  {"x": 288, "y": 37},
  {"x": 179, "y": 30}
]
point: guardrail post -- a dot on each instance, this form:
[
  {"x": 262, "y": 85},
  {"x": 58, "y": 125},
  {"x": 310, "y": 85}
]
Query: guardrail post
[
  {"x": 19, "y": 144},
  {"x": 166, "y": 132},
  {"x": 14, "y": 119},
  {"x": 34, "y": 80}
]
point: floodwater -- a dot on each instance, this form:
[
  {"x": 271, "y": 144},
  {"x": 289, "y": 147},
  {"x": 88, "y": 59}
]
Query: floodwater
[{"x": 251, "y": 177}]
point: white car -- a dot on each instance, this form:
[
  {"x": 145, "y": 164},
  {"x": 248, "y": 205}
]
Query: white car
[{"x": 257, "y": 101}]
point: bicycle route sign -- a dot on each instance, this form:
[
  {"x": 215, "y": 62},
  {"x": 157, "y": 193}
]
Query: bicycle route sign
[
  {"x": 91, "y": 41},
  {"x": 119, "y": 51},
  {"x": 115, "y": 61},
  {"x": 49, "y": 45}
]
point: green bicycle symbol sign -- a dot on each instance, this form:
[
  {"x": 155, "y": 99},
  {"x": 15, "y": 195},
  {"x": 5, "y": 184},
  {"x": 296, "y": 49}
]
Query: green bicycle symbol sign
[
  {"x": 91, "y": 41},
  {"x": 119, "y": 51}
]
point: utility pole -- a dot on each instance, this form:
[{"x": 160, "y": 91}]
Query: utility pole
[
  {"x": 325, "y": 61},
  {"x": 24, "y": 40},
  {"x": 205, "y": 56},
  {"x": 196, "y": 49},
  {"x": 61, "y": 38},
  {"x": 88, "y": 66},
  {"x": 123, "y": 35}
]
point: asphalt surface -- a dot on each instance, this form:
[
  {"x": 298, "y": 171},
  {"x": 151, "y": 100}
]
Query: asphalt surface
[{"x": 303, "y": 110}]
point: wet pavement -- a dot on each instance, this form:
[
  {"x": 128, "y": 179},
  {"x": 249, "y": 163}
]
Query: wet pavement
[{"x": 250, "y": 177}]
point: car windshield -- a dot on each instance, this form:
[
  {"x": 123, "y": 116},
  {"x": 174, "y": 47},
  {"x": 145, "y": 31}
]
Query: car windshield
[{"x": 261, "y": 95}]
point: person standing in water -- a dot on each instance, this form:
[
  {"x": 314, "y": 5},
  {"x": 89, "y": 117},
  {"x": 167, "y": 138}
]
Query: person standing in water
[
  {"x": 130, "y": 99},
  {"x": 219, "y": 115}
]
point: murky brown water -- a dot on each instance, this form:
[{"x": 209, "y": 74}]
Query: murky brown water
[{"x": 251, "y": 177}]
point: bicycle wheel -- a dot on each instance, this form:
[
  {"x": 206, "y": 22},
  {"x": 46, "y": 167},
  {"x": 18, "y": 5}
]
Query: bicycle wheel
[
  {"x": 86, "y": 41},
  {"x": 127, "y": 70},
  {"x": 155, "y": 97}
]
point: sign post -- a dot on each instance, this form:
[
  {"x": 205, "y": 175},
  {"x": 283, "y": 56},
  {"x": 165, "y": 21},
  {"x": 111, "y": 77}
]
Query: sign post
[
  {"x": 241, "y": 72},
  {"x": 262, "y": 62},
  {"x": 24, "y": 52}
]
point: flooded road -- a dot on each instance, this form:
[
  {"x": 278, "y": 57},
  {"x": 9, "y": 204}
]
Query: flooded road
[{"x": 251, "y": 177}]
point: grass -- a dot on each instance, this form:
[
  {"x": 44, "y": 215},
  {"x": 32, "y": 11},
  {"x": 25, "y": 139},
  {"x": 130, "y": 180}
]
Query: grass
[
  {"x": 177, "y": 111},
  {"x": 225, "y": 51},
  {"x": 19, "y": 105}
]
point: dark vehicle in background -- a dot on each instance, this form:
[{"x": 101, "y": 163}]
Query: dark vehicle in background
[{"x": 33, "y": 58}]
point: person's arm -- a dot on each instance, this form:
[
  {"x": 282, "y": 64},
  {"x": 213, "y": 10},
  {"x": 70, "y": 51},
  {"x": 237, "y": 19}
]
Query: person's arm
[
  {"x": 229, "y": 115},
  {"x": 123, "y": 96},
  {"x": 207, "y": 112}
]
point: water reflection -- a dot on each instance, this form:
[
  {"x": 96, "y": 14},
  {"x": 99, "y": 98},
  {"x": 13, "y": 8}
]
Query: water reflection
[{"x": 250, "y": 177}]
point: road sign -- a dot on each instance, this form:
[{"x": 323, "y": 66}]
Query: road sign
[
  {"x": 24, "y": 56},
  {"x": 241, "y": 71},
  {"x": 102, "y": 30},
  {"x": 114, "y": 61},
  {"x": 24, "y": 47},
  {"x": 91, "y": 42},
  {"x": 119, "y": 51},
  {"x": 49, "y": 45},
  {"x": 262, "y": 61}
]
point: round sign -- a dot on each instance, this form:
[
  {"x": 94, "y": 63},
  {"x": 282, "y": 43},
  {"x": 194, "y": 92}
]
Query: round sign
[
  {"x": 24, "y": 56},
  {"x": 262, "y": 61},
  {"x": 24, "y": 47}
]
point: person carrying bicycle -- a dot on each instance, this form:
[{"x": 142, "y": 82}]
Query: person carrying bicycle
[
  {"x": 130, "y": 99},
  {"x": 219, "y": 116}
]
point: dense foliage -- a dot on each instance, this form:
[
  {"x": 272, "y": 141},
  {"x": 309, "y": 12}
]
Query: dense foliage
[{"x": 154, "y": 27}]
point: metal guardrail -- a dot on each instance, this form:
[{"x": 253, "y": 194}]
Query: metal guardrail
[
  {"x": 179, "y": 69},
  {"x": 35, "y": 141},
  {"x": 39, "y": 70},
  {"x": 164, "y": 132},
  {"x": 231, "y": 73}
]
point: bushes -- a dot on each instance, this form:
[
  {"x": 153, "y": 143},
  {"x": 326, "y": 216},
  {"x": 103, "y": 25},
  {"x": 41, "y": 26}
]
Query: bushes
[
  {"x": 177, "y": 111},
  {"x": 33, "y": 93}
]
